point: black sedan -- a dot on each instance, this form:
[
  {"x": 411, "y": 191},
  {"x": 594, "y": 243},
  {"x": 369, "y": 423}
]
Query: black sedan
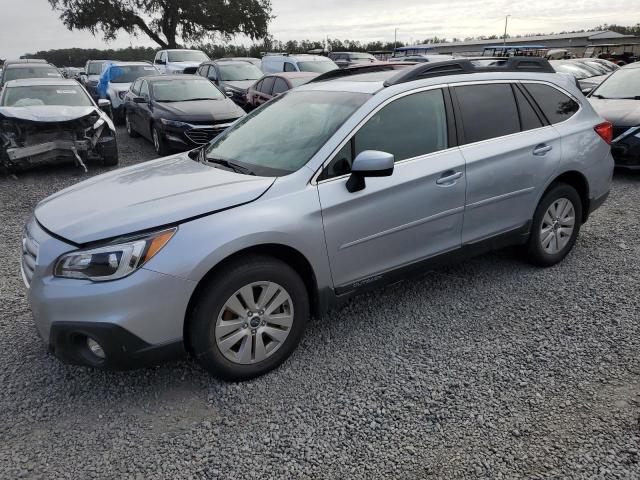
[
  {"x": 617, "y": 100},
  {"x": 178, "y": 112}
]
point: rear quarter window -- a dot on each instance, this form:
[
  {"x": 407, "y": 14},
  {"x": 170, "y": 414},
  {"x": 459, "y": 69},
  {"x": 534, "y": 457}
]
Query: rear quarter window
[{"x": 555, "y": 105}]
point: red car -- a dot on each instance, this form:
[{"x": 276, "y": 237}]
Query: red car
[{"x": 275, "y": 84}]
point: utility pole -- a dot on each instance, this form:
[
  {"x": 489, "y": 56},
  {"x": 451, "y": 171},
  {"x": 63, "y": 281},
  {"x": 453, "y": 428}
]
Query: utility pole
[
  {"x": 506, "y": 22},
  {"x": 395, "y": 39}
]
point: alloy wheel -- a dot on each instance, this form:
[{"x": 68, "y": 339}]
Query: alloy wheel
[
  {"x": 557, "y": 226},
  {"x": 254, "y": 323}
]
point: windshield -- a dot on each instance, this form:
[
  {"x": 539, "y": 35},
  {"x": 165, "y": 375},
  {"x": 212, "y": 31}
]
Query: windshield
[
  {"x": 41, "y": 71},
  {"x": 95, "y": 68},
  {"x": 239, "y": 71},
  {"x": 184, "y": 91},
  {"x": 601, "y": 69},
  {"x": 67, "y": 95},
  {"x": 318, "y": 67},
  {"x": 188, "y": 56},
  {"x": 577, "y": 71},
  {"x": 362, "y": 56},
  {"x": 281, "y": 137},
  {"x": 130, "y": 73},
  {"x": 623, "y": 83}
]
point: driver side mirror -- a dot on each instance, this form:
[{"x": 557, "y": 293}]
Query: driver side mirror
[
  {"x": 160, "y": 62},
  {"x": 104, "y": 105},
  {"x": 370, "y": 163},
  {"x": 140, "y": 100}
]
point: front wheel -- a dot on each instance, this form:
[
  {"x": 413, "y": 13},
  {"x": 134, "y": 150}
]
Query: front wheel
[
  {"x": 556, "y": 225},
  {"x": 130, "y": 130},
  {"x": 159, "y": 143},
  {"x": 248, "y": 318}
]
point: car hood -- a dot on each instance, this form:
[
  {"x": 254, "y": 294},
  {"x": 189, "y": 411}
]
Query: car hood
[
  {"x": 47, "y": 113},
  {"x": 239, "y": 84},
  {"x": 153, "y": 194},
  {"x": 214, "y": 110},
  {"x": 622, "y": 113}
]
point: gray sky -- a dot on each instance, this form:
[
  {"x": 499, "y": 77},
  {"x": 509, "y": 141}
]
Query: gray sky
[{"x": 30, "y": 25}]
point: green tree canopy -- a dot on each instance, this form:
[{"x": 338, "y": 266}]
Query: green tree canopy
[{"x": 167, "y": 22}]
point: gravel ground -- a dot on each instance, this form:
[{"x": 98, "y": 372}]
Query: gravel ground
[{"x": 489, "y": 369}]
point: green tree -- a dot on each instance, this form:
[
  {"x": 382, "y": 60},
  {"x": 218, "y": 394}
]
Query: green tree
[{"x": 167, "y": 21}]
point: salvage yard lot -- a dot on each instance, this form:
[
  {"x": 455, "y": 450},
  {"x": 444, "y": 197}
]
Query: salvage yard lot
[{"x": 487, "y": 369}]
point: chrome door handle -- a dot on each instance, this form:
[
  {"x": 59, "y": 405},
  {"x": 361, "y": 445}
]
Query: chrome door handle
[
  {"x": 449, "y": 178},
  {"x": 542, "y": 150}
]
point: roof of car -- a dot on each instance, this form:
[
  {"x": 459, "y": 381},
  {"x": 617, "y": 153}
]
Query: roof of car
[
  {"x": 28, "y": 65},
  {"x": 34, "y": 82},
  {"x": 294, "y": 74},
  {"x": 119, "y": 63},
  {"x": 632, "y": 65},
  {"x": 302, "y": 57},
  {"x": 371, "y": 83},
  {"x": 155, "y": 78}
]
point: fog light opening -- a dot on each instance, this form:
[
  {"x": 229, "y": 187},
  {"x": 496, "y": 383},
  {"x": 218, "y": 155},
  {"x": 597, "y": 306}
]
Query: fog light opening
[{"x": 96, "y": 349}]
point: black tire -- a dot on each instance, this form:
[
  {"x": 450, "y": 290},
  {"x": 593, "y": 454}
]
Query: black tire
[
  {"x": 536, "y": 254},
  {"x": 160, "y": 146},
  {"x": 221, "y": 287},
  {"x": 130, "y": 130},
  {"x": 110, "y": 157}
]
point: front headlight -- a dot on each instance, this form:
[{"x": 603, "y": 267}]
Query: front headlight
[
  {"x": 112, "y": 262},
  {"x": 122, "y": 94},
  {"x": 173, "y": 123}
]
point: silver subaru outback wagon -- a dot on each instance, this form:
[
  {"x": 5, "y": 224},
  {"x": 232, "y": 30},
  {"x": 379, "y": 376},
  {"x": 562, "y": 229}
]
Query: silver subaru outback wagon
[{"x": 355, "y": 180}]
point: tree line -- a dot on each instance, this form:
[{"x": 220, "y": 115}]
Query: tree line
[{"x": 77, "y": 57}]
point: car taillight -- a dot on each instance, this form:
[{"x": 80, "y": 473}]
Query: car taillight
[{"x": 605, "y": 130}]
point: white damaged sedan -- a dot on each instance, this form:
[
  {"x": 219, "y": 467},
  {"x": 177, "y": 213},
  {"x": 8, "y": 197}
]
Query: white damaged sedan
[{"x": 42, "y": 120}]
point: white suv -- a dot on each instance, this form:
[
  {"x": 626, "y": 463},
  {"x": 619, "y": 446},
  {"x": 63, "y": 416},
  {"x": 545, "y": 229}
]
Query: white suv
[
  {"x": 171, "y": 62},
  {"x": 298, "y": 63}
]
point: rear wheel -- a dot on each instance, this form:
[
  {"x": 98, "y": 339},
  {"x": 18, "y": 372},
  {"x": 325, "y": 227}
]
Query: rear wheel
[
  {"x": 248, "y": 318},
  {"x": 556, "y": 225}
]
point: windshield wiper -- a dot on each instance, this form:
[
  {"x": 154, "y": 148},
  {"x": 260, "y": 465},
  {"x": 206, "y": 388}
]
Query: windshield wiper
[{"x": 227, "y": 164}]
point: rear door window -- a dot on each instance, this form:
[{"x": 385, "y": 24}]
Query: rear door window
[
  {"x": 488, "y": 111},
  {"x": 280, "y": 86},
  {"x": 555, "y": 105},
  {"x": 288, "y": 67}
]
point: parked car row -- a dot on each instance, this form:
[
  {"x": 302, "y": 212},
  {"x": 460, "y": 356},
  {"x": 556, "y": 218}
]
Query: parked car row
[{"x": 195, "y": 120}]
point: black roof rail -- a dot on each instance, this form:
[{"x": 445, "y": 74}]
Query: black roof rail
[
  {"x": 461, "y": 66},
  {"x": 360, "y": 69}
]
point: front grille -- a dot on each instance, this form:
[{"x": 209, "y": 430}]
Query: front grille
[
  {"x": 29, "y": 256},
  {"x": 200, "y": 136}
]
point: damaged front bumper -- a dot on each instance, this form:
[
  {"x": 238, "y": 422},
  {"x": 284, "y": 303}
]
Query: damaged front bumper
[{"x": 27, "y": 142}]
